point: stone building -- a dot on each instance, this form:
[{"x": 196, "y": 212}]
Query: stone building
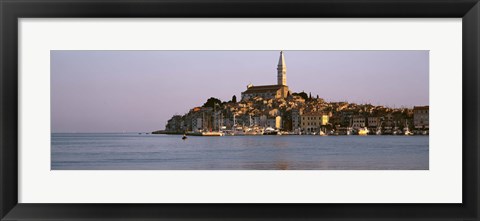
[
  {"x": 358, "y": 122},
  {"x": 296, "y": 119},
  {"x": 275, "y": 122},
  {"x": 312, "y": 121},
  {"x": 280, "y": 90},
  {"x": 420, "y": 117},
  {"x": 373, "y": 122}
]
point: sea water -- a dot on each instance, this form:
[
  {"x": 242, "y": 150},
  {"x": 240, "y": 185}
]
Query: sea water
[{"x": 133, "y": 151}]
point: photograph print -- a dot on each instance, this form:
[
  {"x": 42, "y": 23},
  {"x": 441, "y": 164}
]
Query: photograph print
[{"x": 239, "y": 110}]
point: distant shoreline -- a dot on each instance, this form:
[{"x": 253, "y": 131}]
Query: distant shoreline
[{"x": 178, "y": 133}]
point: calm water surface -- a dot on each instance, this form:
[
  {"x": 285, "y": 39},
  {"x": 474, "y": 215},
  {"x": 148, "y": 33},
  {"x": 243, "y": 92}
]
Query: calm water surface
[{"x": 170, "y": 152}]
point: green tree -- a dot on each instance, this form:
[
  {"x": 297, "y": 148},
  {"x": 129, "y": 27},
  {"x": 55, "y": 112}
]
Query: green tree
[
  {"x": 211, "y": 102},
  {"x": 234, "y": 99},
  {"x": 302, "y": 94}
]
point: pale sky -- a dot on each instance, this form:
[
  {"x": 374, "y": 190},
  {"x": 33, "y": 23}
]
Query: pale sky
[{"x": 138, "y": 91}]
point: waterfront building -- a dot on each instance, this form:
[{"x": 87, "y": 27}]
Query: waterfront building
[
  {"x": 312, "y": 121},
  {"x": 263, "y": 120},
  {"x": 358, "y": 122},
  {"x": 388, "y": 124},
  {"x": 420, "y": 117},
  {"x": 278, "y": 122},
  {"x": 275, "y": 122},
  {"x": 256, "y": 121},
  {"x": 280, "y": 90},
  {"x": 373, "y": 122},
  {"x": 296, "y": 119},
  {"x": 346, "y": 119},
  {"x": 197, "y": 124},
  {"x": 325, "y": 119}
]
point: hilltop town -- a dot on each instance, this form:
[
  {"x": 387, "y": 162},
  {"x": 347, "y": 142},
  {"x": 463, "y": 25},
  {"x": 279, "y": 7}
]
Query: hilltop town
[{"x": 274, "y": 109}]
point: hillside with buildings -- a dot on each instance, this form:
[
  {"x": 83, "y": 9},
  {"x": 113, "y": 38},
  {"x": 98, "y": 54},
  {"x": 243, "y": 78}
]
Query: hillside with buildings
[{"x": 275, "y": 107}]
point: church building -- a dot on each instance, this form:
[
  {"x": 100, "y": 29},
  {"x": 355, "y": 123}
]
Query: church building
[{"x": 279, "y": 90}]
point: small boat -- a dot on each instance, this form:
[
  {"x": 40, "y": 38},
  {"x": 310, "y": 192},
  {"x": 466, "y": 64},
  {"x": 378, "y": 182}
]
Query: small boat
[
  {"x": 363, "y": 131},
  {"x": 184, "y": 137},
  {"x": 212, "y": 133},
  {"x": 408, "y": 132},
  {"x": 270, "y": 131},
  {"x": 349, "y": 131}
]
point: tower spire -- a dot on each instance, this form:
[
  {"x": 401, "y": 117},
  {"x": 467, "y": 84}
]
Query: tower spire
[
  {"x": 281, "y": 70},
  {"x": 281, "y": 61}
]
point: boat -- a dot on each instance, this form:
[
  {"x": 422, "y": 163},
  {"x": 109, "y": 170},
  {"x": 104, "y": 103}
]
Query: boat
[
  {"x": 322, "y": 133},
  {"x": 270, "y": 131},
  {"x": 397, "y": 131},
  {"x": 253, "y": 132},
  {"x": 407, "y": 132},
  {"x": 363, "y": 131},
  {"x": 237, "y": 131},
  {"x": 350, "y": 131},
  {"x": 212, "y": 133}
]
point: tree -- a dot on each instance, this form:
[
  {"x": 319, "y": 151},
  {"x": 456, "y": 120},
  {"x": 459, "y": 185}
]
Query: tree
[
  {"x": 234, "y": 99},
  {"x": 310, "y": 96},
  {"x": 302, "y": 94},
  {"x": 317, "y": 96},
  {"x": 288, "y": 94},
  {"x": 211, "y": 102}
]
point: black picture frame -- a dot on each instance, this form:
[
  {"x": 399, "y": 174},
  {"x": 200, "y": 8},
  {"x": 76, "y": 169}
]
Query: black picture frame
[{"x": 12, "y": 10}]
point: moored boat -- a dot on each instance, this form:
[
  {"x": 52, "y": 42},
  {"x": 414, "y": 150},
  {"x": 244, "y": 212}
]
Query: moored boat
[
  {"x": 212, "y": 133},
  {"x": 270, "y": 131},
  {"x": 407, "y": 132},
  {"x": 363, "y": 131}
]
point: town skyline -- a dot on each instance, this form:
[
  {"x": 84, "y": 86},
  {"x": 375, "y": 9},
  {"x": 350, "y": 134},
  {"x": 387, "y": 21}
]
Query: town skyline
[{"x": 398, "y": 78}]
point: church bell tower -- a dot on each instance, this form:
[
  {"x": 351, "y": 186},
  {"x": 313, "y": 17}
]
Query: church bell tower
[{"x": 282, "y": 70}]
